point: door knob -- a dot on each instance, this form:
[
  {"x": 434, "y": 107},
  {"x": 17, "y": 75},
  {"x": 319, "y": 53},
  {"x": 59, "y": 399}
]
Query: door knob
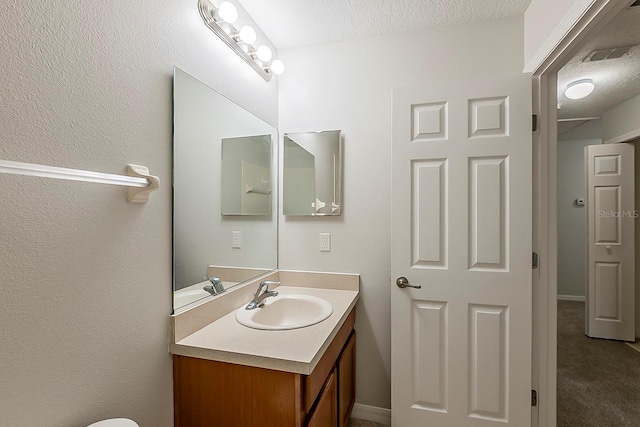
[{"x": 402, "y": 283}]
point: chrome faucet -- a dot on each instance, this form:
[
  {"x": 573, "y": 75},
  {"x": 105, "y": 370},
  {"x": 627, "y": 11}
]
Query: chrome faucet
[
  {"x": 216, "y": 286},
  {"x": 261, "y": 294}
]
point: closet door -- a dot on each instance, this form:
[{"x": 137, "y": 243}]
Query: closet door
[{"x": 611, "y": 216}]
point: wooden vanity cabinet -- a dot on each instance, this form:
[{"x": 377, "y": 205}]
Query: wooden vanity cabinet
[
  {"x": 209, "y": 393},
  {"x": 326, "y": 410},
  {"x": 347, "y": 381}
]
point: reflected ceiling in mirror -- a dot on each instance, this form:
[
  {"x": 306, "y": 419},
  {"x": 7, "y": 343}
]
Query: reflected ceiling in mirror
[
  {"x": 216, "y": 248},
  {"x": 312, "y": 173}
]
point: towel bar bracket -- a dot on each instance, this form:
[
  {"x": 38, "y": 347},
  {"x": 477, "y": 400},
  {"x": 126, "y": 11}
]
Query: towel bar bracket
[{"x": 141, "y": 195}]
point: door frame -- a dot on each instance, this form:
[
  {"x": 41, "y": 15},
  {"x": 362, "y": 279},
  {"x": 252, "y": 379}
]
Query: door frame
[{"x": 592, "y": 17}]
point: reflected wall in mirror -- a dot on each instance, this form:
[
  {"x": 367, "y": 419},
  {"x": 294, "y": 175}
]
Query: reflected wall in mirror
[
  {"x": 312, "y": 173},
  {"x": 246, "y": 175},
  {"x": 232, "y": 248}
]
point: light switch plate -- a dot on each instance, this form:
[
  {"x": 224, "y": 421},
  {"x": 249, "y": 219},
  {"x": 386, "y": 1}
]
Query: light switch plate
[{"x": 237, "y": 239}]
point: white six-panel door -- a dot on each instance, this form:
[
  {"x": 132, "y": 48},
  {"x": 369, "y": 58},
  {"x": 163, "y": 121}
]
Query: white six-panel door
[
  {"x": 461, "y": 230},
  {"x": 610, "y": 308}
]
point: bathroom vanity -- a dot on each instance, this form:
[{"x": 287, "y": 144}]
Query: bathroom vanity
[{"x": 226, "y": 374}]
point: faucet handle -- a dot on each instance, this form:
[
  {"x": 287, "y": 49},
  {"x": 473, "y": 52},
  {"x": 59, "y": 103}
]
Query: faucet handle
[
  {"x": 264, "y": 286},
  {"x": 268, "y": 283}
]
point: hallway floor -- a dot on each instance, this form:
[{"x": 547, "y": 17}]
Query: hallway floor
[{"x": 598, "y": 380}]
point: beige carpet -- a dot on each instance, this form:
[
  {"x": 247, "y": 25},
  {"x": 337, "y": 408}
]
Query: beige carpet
[{"x": 598, "y": 380}]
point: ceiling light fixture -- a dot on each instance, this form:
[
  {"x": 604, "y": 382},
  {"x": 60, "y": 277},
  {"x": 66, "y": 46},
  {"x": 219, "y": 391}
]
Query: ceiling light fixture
[
  {"x": 221, "y": 21},
  {"x": 579, "y": 89}
]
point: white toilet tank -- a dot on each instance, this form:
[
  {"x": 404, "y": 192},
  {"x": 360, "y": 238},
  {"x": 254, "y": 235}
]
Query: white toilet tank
[{"x": 115, "y": 422}]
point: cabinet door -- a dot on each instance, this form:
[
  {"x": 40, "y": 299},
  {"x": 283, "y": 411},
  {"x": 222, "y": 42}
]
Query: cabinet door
[
  {"x": 326, "y": 412},
  {"x": 217, "y": 394},
  {"x": 347, "y": 381}
]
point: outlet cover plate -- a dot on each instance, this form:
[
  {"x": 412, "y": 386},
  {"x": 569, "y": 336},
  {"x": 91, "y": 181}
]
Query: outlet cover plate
[{"x": 325, "y": 242}]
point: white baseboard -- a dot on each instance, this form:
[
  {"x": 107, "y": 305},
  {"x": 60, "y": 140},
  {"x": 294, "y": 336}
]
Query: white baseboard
[
  {"x": 371, "y": 413},
  {"x": 571, "y": 298},
  {"x": 634, "y": 345}
]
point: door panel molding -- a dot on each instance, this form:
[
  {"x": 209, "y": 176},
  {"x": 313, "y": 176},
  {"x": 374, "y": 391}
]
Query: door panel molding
[{"x": 461, "y": 230}]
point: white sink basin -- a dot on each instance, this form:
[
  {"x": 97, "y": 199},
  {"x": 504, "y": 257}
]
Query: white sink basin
[
  {"x": 288, "y": 311},
  {"x": 182, "y": 298}
]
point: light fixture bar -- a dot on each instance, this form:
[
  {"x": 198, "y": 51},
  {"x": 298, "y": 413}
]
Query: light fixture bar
[
  {"x": 207, "y": 12},
  {"x": 30, "y": 169}
]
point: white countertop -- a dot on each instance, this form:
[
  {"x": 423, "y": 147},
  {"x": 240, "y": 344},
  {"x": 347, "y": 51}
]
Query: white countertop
[{"x": 294, "y": 350}]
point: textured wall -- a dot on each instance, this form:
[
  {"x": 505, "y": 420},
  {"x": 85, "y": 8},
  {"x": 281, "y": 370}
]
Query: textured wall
[
  {"x": 572, "y": 219},
  {"x": 85, "y": 277},
  {"x": 348, "y": 86}
]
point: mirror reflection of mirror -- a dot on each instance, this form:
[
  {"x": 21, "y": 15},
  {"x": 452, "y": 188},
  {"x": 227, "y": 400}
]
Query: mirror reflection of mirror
[
  {"x": 312, "y": 173},
  {"x": 246, "y": 175},
  {"x": 212, "y": 251}
]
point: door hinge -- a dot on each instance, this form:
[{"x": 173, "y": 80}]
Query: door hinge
[
  {"x": 534, "y": 260},
  {"x": 534, "y": 122},
  {"x": 534, "y": 398}
]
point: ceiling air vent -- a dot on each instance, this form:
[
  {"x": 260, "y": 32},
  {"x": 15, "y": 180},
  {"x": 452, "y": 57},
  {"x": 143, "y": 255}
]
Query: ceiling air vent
[{"x": 611, "y": 53}]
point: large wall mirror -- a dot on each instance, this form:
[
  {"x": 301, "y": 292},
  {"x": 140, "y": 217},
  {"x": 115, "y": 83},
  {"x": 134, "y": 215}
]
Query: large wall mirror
[
  {"x": 312, "y": 173},
  {"x": 224, "y": 206}
]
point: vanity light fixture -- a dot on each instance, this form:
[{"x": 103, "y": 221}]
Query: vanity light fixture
[
  {"x": 221, "y": 21},
  {"x": 277, "y": 66},
  {"x": 264, "y": 54},
  {"x": 247, "y": 35},
  {"x": 579, "y": 89},
  {"x": 228, "y": 12}
]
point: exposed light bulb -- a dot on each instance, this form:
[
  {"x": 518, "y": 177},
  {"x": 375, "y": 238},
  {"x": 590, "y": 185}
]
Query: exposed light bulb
[
  {"x": 228, "y": 12},
  {"x": 579, "y": 89},
  {"x": 247, "y": 35},
  {"x": 277, "y": 67},
  {"x": 264, "y": 53}
]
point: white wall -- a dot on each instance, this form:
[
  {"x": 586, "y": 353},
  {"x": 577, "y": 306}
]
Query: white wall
[
  {"x": 85, "y": 276},
  {"x": 572, "y": 219},
  {"x": 622, "y": 122},
  {"x": 546, "y": 22},
  {"x": 348, "y": 86}
]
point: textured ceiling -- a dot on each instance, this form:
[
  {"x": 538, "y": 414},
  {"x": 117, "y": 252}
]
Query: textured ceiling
[
  {"x": 616, "y": 80},
  {"x": 290, "y": 23}
]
